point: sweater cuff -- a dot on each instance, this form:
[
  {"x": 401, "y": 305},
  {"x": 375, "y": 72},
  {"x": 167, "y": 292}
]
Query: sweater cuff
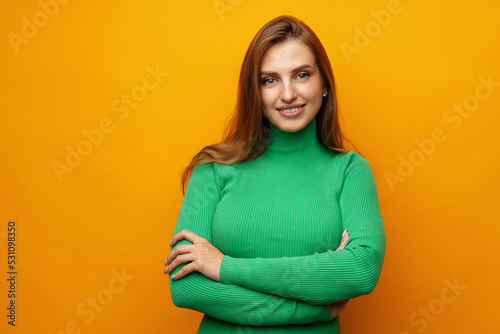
[
  {"x": 236, "y": 270},
  {"x": 227, "y": 268}
]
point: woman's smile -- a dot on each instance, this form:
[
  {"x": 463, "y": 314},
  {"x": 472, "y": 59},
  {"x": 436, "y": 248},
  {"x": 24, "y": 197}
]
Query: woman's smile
[
  {"x": 291, "y": 85},
  {"x": 292, "y": 110}
]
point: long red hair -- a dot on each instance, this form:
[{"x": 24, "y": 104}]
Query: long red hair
[{"x": 246, "y": 134}]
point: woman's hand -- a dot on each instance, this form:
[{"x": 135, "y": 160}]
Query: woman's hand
[
  {"x": 201, "y": 255},
  {"x": 345, "y": 239},
  {"x": 337, "y": 307}
]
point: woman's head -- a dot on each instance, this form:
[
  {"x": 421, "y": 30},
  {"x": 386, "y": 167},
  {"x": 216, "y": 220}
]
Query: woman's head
[
  {"x": 246, "y": 135},
  {"x": 291, "y": 85},
  {"x": 254, "y": 103}
]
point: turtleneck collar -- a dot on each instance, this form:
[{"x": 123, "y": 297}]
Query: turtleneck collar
[{"x": 300, "y": 142}]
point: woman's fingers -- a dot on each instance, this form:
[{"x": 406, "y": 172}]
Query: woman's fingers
[
  {"x": 199, "y": 256},
  {"x": 180, "y": 259},
  {"x": 181, "y": 249},
  {"x": 188, "y": 235},
  {"x": 188, "y": 268},
  {"x": 345, "y": 239}
]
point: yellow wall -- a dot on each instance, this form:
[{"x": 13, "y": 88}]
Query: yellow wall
[{"x": 67, "y": 71}]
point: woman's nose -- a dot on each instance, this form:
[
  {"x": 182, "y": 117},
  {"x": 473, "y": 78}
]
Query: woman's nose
[{"x": 288, "y": 92}]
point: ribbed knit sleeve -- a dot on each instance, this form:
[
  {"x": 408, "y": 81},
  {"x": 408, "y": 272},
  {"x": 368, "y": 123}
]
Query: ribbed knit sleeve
[
  {"x": 322, "y": 278},
  {"x": 228, "y": 302}
]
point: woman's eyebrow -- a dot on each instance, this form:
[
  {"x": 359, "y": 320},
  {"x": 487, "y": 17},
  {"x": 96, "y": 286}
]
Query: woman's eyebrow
[{"x": 300, "y": 68}]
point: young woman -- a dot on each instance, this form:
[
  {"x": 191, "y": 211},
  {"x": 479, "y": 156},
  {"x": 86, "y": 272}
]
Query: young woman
[{"x": 261, "y": 242}]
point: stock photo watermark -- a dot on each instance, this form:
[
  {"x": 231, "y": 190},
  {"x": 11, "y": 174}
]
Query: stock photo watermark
[
  {"x": 48, "y": 9},
  {"x": 96, "y": 304},
  {"x": 12, "y": 293},
  {"x": 454, "y": 116},
  {"x": 421, "y": 318},
  {"x": 223, "y": 6},
  {"x": 121, "y": 106},
  {"x": 363, "y": 36}
]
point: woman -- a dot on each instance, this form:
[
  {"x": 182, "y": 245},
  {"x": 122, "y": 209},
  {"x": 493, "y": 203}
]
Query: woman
[{"x": 261, "y": 240}]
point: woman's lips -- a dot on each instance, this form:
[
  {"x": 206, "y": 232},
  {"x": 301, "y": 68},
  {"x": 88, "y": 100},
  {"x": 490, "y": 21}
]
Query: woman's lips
[{"x": 292, "y": 110}]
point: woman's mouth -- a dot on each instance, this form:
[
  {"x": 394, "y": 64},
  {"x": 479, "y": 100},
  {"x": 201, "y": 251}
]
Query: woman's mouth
[{"x": 291, "y": 111}]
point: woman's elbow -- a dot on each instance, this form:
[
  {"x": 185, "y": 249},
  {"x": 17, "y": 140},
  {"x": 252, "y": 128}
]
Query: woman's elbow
[
  {"x": 365, "y": 284},
  {"x": 371, "y": 268},
  {"x": 179, "y": 296},
  {"x": 177, "y": 299},
  {"x": 364, "y": 280}
]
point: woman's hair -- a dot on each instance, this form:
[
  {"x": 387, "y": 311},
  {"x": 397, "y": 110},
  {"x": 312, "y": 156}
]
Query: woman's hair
[{"x": 247, "y": 132}]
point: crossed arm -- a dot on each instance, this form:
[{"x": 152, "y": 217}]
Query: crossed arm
[
  {"x": 233, "y": 290},
  {"x": 228, "y": 302}
]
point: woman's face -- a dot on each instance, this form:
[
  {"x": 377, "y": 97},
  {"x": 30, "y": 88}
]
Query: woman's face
[{"x": 291, "y": 85}]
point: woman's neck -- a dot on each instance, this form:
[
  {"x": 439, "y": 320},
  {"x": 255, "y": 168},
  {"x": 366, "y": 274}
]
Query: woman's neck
[{"x": 302, "y": 142}]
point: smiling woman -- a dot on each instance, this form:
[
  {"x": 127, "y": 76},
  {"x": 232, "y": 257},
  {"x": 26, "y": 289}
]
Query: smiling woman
[
  {"x": 280, "y": 224},
  {"x": 292, "y": 86}
]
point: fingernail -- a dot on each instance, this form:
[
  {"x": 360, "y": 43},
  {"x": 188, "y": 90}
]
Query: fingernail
[
  {"x": 341, "y": 247},
  {"x": 170, "y": 243},
  {"x": 165, "y": 262},
  {"x": 165, "y": 271},
  {"x": 172, "y": 277}
]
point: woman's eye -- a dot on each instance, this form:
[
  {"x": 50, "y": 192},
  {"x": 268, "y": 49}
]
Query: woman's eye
[
  {"x": 303, "y": 75},
  {"x": 268, "y": 81}
]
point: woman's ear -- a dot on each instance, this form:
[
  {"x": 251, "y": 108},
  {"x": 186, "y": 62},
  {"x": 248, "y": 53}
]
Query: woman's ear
[{"x": 324, "y": 90}]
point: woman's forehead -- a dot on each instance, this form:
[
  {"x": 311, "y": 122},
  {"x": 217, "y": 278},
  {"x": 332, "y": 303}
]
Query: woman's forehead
[{"x": 287, "y": 56}]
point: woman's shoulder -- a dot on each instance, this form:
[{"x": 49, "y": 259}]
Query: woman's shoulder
[
  {"x": 352, "y": 157},
  {"x": 346, "y": 158},
  {"x": 347, "y": 162},
  {"x": 356, "y": 168}
]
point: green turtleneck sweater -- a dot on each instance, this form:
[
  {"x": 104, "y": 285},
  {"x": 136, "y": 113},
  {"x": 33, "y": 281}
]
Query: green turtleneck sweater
[{"x": 279, "y": 219}]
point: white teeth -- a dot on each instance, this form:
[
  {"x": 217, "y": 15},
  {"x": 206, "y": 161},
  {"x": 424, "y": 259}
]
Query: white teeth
[{"x": 290, "y": 110}]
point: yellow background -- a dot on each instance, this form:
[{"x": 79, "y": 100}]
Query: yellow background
[{"x": 116, "y": 210}]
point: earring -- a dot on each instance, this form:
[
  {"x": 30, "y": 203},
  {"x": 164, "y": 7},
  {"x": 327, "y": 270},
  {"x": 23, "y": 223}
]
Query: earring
[{"x": 325, "y": 94}]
